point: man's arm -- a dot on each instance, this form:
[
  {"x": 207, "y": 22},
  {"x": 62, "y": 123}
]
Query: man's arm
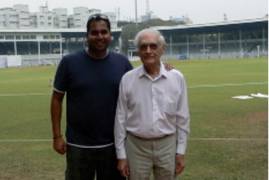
[
  {"x": 59, "y": 144},
  {"x": 183, "y": 129},
  {"x": 120, "y": 131}
]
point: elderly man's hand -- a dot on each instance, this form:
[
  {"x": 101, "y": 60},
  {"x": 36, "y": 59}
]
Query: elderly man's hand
[
  {"x": 180, "y": 164},
  {"x": 123, "y": 167}
]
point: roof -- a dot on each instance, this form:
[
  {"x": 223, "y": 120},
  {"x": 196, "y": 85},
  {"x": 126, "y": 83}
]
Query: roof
[
  {"x": 220, "y": 26},
  {"x": 55, "y": 30}
]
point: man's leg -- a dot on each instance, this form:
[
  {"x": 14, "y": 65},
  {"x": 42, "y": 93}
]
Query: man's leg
[
  {"x": 164, "y": 150},
  {"x": 107, "y": 164},
  {"x": 79, "y": 166},
  {"x": 139, "y": 155}
]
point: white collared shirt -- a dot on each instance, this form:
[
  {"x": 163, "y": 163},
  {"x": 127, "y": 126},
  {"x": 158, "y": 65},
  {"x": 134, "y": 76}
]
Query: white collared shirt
[{"x": 152, "y": 108}]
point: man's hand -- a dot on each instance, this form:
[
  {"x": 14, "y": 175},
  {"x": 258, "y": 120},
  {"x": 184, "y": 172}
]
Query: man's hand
[
  {"x": 123, "y": 167},
  {"x": 180, "y": 164},
  {"x": 168, "y": 67},
  {"x": 59, "y": 145}
]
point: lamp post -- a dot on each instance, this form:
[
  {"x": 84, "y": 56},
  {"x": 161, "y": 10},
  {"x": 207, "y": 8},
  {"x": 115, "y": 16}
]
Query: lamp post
[{"x": 136, "y": 12}]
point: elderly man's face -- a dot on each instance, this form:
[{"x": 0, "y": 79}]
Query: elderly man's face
[{"x": 150, "y": 50}]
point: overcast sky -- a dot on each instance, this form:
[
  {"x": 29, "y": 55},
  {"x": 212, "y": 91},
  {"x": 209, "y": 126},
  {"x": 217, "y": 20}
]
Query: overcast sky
[{"x": 199, "y": 11}]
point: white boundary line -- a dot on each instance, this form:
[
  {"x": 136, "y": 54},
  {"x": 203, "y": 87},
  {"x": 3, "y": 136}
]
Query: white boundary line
[
  {"x": 190, "y": 139},
  {"x": 24, "y": 140},
  {"x": 228, "y": 139},
  {"x": 190, "y": 87},
  {"x": 228, "y": 85},
  {"x": 24, "y": 94}
]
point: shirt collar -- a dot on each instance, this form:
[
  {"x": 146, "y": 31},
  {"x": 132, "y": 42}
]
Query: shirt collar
[{"x": 163, "y": 72}]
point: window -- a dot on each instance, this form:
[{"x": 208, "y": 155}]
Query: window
[{"x": 9, "y": 36}]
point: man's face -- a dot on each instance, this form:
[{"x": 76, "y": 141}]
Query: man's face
[
  {"x": 150, "y": 50},
  {"x": 99, "y": 36}
]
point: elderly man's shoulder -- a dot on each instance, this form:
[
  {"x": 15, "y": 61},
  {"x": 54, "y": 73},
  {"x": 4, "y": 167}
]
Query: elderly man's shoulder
[
  {"x": 175, "y": 73},
  {"x": 134, "y": 71}
]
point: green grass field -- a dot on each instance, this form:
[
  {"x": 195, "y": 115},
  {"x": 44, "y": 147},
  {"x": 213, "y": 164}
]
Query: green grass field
[{"x": 228, "y": 139}]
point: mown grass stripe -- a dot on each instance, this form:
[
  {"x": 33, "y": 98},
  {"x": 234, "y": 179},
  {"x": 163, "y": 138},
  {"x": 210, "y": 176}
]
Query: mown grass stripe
[
  {"x": 190, "y": 87},
  {"x": 227, "y": 85},
  {"x": 190, "y": 139},
  {"x": 23, "y": 94}
]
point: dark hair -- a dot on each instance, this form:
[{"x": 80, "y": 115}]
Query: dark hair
[{"x": 98, "y": 17}]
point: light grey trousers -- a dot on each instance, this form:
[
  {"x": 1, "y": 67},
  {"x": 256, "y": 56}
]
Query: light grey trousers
[{"x": 146, "y": 156}]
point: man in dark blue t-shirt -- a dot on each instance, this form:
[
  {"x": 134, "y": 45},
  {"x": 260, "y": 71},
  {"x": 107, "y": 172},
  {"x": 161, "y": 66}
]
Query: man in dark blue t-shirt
[{"x": 90, "y": 79}]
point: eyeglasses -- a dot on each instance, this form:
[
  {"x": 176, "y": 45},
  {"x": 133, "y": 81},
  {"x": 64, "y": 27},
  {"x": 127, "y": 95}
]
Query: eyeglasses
[
  {"x": 152, "y": 46},
  {"x": 98, "y": 17}
]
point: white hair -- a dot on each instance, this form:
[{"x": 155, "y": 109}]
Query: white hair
[{"x": 138, "y": 36}]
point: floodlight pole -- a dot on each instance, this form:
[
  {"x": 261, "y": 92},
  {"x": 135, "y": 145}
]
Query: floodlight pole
[
  {"x": 15, "y": 47},
  {"x": 136, "y": 12},
  {"x": 38, "y": 49}
]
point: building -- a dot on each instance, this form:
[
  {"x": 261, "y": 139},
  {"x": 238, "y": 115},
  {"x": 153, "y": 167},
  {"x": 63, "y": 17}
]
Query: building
[
  {"x": 80, "y": 17},
  {"x": 8, "y": 18},
  {"x": 45, "y": 46},
  {"x": 181, "y": 20},
  {"x": 227, "y": 39},
  {"x": 19, "y": 17},
  {"x": 44, "y": 18},
  {"x": 60, "y": 18},
  {"x": 23, "y": 15}
]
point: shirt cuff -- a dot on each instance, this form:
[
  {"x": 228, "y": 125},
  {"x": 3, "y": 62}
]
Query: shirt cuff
[
  {"x": 121, "y": 154},
  {"x": 181, "y": 150},
  {"x": 181, "y": 142}
]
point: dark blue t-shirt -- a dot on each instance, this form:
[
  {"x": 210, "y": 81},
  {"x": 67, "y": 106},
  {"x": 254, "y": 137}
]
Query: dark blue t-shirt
[{"x": 91, "y": 87}]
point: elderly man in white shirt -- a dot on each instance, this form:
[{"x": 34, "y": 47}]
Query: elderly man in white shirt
[{"x": 152, "y": 117}]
